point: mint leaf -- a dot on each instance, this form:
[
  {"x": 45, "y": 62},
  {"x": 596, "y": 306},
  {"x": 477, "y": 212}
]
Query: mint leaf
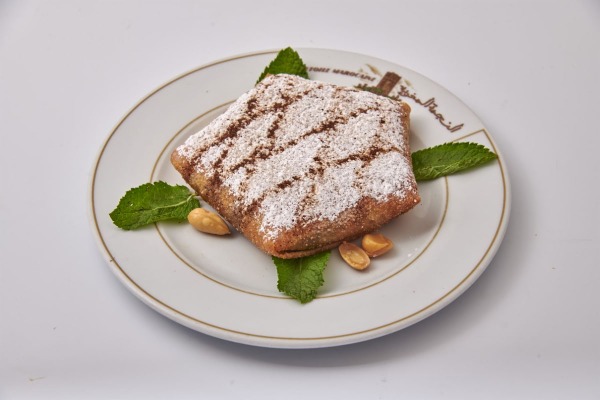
[
  {"x": 287, "y": 61},
  {"x": 449, "y": 158},
  {"x": 152, "y": 202},
  {"x": 300, "y": 278}
]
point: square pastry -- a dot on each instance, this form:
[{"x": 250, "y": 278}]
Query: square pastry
[{"x": 300, "y": 166}]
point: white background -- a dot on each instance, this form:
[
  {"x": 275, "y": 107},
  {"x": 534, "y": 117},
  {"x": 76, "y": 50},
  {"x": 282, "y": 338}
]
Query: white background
[{"x": 528, "y": 329}]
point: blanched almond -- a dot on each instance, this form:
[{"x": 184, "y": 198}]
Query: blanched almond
[
  {"x": 207, "y": 222},
  {"x": 375, "y": 244},
  {"x": 354, "y": 256}
]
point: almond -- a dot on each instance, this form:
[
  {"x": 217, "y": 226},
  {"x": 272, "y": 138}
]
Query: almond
[
  {"x": 375, "y": 244},
  {"x": 207, "y": 222},
  {"x": 354, "y": 256}
]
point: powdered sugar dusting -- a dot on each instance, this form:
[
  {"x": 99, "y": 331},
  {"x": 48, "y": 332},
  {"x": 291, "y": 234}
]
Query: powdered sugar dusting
[
  {"x": 282, "y": 167},
  {"x": 235, "y": 180},
  {"x": 247, "y": 140},
  {"x": 212, "y": 155},
  {"x": 299, "y": 150},
  {"x": 306, "y": 114},
  {"x": 336, "y": 191},
  {"x": 386, "y": 175},
  {"x": 280, "y": 210}
]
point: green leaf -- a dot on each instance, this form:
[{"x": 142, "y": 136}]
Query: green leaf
[
  {"x": 287, "y": 61},
  {"x": 300, "y": 278},
  {"x": 449, "y": 158},
  {"x": 152, "y": 202}
]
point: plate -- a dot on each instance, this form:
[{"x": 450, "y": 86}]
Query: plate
[{"x": 225, "y": 287}]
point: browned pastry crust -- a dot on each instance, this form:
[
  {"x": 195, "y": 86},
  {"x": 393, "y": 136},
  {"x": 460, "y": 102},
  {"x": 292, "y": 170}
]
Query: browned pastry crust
[{"x": 300, "y": 166}]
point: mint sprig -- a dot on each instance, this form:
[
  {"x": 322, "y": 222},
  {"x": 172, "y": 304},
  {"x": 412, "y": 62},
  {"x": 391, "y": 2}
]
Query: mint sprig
[
  {"x": 449, "y": 158},
  {"x": 153, "y": 202},
  {"x": 300, "y": 278},
  {"x": 287, "y": 61}
]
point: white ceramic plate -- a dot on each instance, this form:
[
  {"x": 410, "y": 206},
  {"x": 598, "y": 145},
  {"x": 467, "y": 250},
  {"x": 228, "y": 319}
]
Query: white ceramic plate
[{"x": 226, "y": 288}]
